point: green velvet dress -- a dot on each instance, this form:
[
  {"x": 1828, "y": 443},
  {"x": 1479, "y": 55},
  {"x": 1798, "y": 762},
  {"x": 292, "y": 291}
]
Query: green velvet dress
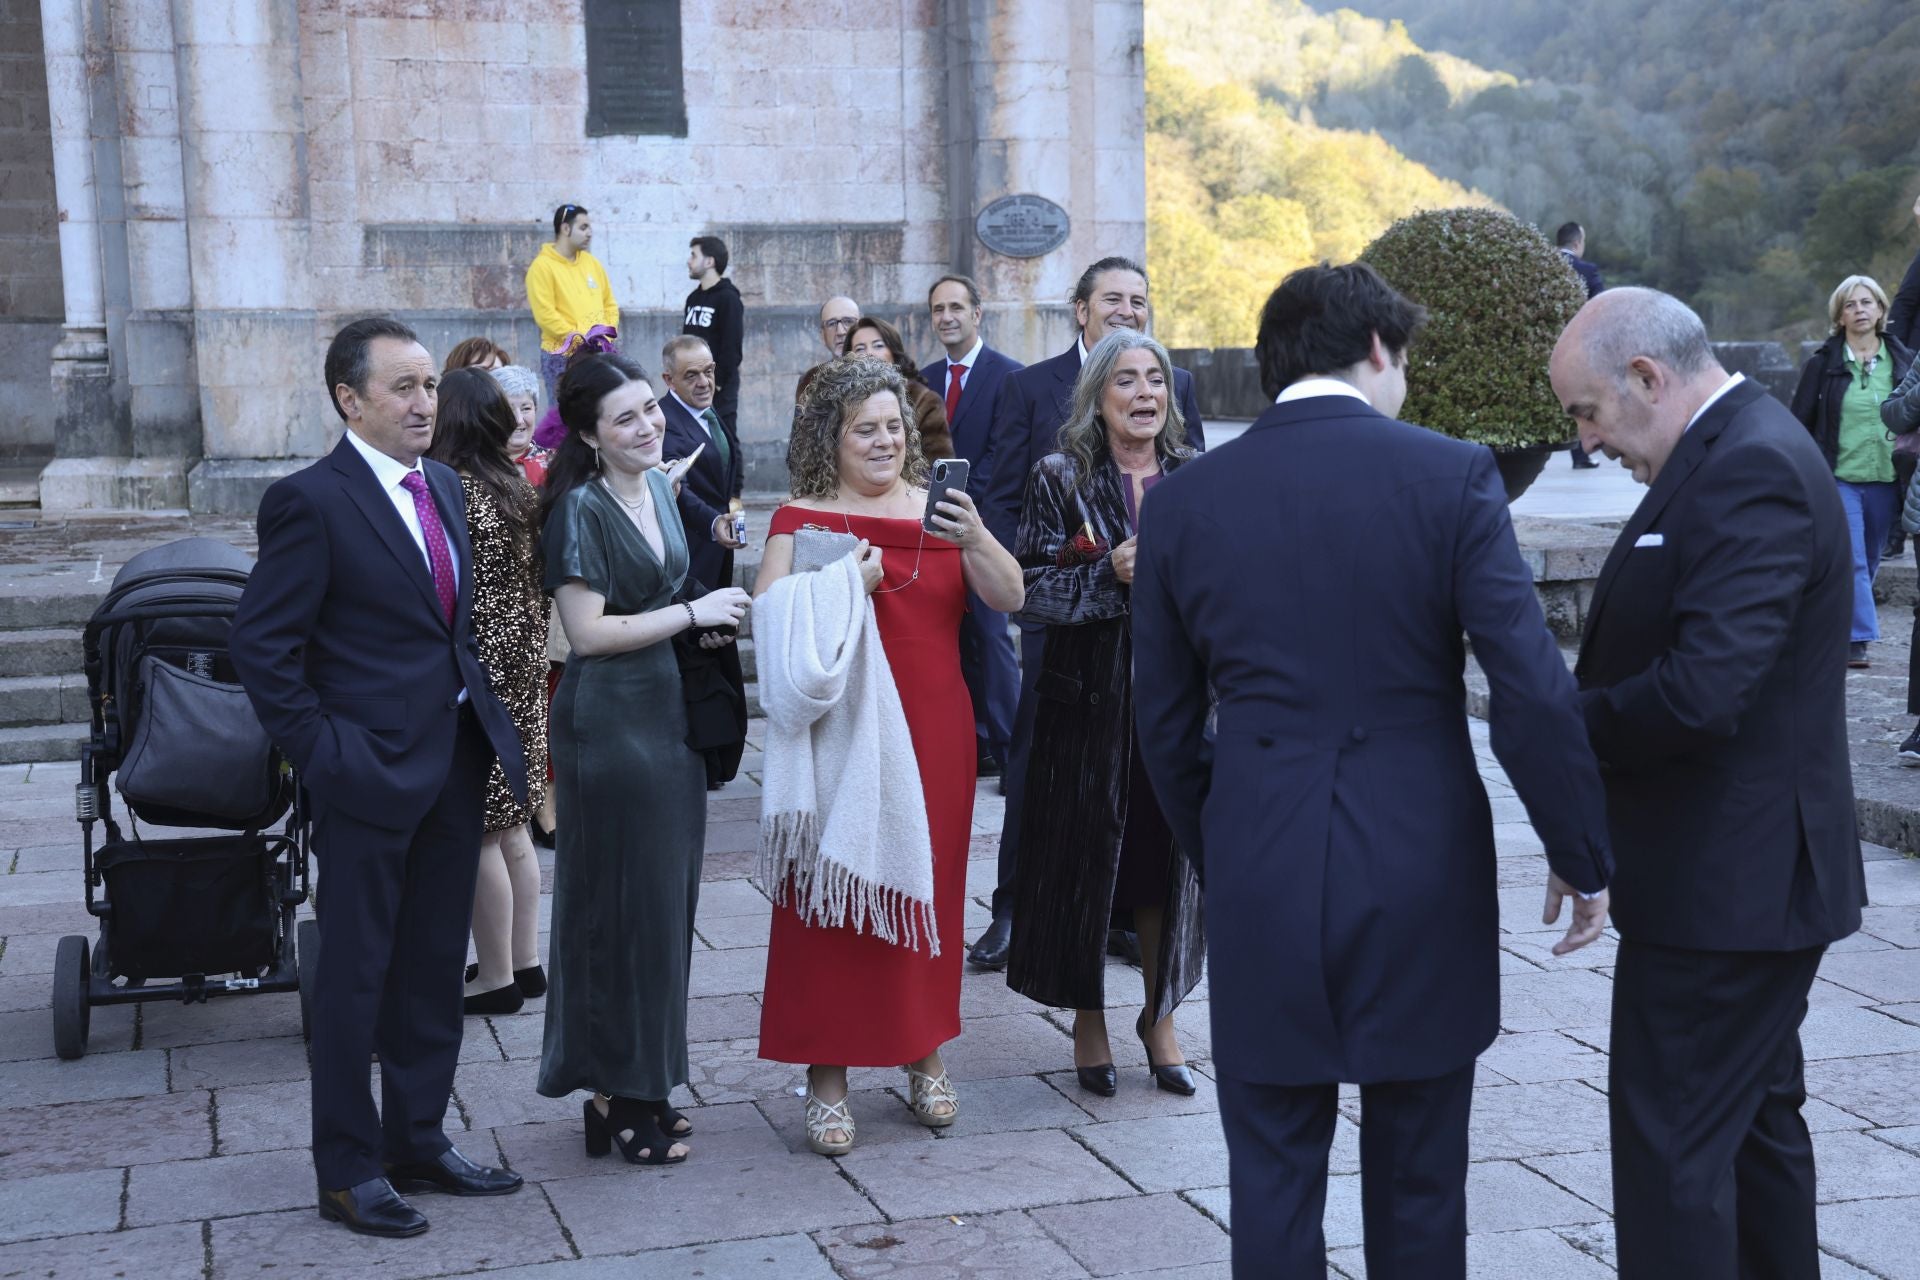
[{"x": 633, "y": 817}]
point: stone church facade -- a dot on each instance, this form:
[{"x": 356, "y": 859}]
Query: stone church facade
[{"x": 196, "y": 193}]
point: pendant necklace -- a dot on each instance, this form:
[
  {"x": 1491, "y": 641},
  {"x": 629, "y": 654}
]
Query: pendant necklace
[{"x": 918, "y": 551}]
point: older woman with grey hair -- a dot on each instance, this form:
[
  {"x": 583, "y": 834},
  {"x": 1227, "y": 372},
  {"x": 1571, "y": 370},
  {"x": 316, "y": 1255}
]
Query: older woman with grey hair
[
  {"x": 522, "y": 386},
  {"x": 1093, "y": 842}
]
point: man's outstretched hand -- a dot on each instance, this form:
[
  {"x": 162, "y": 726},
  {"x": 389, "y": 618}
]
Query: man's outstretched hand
[{"x": 1589, "y": 915}]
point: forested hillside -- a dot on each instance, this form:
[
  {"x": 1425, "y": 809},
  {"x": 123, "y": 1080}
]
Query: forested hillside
[{"x": 1745, "y": 154}]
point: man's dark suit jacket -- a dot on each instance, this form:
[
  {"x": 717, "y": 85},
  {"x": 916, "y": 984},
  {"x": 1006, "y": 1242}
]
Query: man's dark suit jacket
[
  {"x": 344, "y": 652},
  {"x": 1032, "y": 406},
  {"x": 1713, "y": 677},
  {"x": 1588, "y": 273},
  {"x": 1903, "y": 317},
  {"x": 1316, "y": 576},
  {"x": 972, "y": 426},
  {"x": 705, "y": 491}
]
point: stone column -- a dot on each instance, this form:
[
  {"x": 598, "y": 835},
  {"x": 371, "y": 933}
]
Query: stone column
[
  {"x": 244, "y": 149},
  {"x": 1016, "y": 125},
  {"x": 82, "y": 377}
]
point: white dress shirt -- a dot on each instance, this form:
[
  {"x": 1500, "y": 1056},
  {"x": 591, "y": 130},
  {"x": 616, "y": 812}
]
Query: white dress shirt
[
  {"x": 389, "y": 474},
  {"x": 1725, "y": 387},
  {"x": 964, "y": 364},
  {"x": 1309, "y": 387},
  {"x": 699, "y": 415}
]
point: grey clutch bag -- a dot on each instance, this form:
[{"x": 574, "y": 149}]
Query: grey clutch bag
[{"x": 816, "y": 548}]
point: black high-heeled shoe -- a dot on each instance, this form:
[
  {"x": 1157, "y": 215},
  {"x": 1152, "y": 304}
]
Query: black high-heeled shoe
[
  {"x": 1103, "y": 1079},
  {"x": 1174, "y": 1078},
  {"x": 626, "y": 1116}
]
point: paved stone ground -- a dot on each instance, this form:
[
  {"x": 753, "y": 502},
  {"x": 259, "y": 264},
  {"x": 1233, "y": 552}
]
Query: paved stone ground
[{"x": 176, "y": 1146}]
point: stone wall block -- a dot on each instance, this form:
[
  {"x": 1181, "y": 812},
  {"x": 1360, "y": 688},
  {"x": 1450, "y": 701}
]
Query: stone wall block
[
  {"x": 140, "y": 28},
  {"x": 159, "y": 349},
  {"x": 227, "y": 93},
  {"x": 252, "y": 23},
  {"x": 1118, "y": 37},
  {"x": 398, "y": 37},
  {"x": 555, "y": 44},
  {"x": 152, "y": 179},
  {"x": 395, "y": 79},
  {"x": 1120, "y": 103},
  {"x": 147, "y": 105},
  {"x": 1016, "y": 27},
  {"x": 248, "y": 175},
  {"x": 247, "y": 262},
  {"x": 157, "y": 273}
]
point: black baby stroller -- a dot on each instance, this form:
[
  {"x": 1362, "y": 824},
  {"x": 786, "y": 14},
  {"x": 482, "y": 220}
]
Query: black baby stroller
[{"x": 211, "y": 913}]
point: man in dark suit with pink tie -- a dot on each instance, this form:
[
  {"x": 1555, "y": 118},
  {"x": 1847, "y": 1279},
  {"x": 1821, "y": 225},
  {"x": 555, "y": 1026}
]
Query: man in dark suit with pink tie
[
  {"x": 968, "y": 376},
  {"x": 354, "y": 640}
]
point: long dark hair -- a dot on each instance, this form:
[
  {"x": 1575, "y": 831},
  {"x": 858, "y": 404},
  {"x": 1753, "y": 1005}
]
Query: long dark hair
[
  {"x": 590, "y": 376},
  {"x": 889, "y": 335},
  {"x": 471, "y": 428}
]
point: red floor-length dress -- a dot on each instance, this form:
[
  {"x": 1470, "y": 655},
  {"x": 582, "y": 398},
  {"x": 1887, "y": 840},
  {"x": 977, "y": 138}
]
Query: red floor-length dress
[{"x": 840, "y": 998}]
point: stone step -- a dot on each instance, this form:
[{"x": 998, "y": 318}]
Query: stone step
[
  {"x": 40, "y": 652},
  {"x": 29, "y": 603},
  {"x": 20, "y": 488},
  {"x": 43, "y": 700},
  {"x": 40, "y": 743}
]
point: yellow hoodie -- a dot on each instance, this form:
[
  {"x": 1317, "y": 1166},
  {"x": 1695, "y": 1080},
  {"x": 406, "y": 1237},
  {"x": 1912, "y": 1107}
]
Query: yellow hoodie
[{"x": 569, "y": 297}]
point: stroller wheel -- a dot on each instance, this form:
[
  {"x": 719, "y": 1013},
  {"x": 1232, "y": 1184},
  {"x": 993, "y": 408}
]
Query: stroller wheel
[
  {"x": 71, "y": 1012},
  {"x": 306, "y": 940}
]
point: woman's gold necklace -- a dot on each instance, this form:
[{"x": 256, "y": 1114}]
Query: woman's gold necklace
[{"x": 918, "y": 551}]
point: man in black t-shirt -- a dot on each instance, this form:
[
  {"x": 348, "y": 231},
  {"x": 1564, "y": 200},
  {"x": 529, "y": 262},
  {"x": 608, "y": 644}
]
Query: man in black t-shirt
[{"x": 716, "y": 315}]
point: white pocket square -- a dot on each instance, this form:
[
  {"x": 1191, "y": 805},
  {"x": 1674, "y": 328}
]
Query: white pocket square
[{"x": 1650, "y": 540}]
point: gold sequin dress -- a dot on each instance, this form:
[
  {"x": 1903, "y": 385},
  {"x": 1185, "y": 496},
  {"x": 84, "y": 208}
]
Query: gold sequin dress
[{"x": 510, "y": 623}]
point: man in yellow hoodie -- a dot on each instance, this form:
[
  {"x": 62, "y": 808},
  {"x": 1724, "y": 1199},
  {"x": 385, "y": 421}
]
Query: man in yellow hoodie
[{"x": 568, "y": 290}]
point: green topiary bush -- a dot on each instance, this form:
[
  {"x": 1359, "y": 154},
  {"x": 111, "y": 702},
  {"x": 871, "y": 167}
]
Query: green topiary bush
[{"x": 1497, "y": 296}]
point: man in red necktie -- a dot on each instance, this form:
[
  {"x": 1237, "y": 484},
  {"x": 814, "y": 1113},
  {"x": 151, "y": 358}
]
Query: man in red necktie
[{"x": 354, "y": 640}]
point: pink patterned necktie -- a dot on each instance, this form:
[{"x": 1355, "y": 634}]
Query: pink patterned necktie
[{"x": 437, "y": 554}]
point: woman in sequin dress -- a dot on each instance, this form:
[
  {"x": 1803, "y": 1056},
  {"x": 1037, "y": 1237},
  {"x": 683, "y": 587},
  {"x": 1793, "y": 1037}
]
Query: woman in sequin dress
[{"x": 472, "y": 428}]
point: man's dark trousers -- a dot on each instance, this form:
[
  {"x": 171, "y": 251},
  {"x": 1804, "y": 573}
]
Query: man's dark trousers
[
  {"x": 1413, "y": 1174},
  {"x": 1721, "y": 1191},
  {"x": 415, "y": 888}
]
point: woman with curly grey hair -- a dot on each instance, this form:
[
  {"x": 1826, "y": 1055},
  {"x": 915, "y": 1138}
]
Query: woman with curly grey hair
[
  {"x": 839, "y": 994},
  {"x": 1093, "y": 842}
]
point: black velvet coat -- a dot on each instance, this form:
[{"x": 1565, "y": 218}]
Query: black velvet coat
[{"x": 1077, "y": 780}]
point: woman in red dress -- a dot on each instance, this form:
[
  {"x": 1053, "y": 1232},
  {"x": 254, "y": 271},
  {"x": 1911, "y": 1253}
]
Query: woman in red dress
[{"x": 837, "y": 997}]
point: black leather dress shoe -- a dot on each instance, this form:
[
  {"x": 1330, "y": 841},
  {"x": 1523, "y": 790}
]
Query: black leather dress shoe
[
  {"x": 454, "y": 1174},
  {"x": 372, "y": 1208},
  {"x": 991, "y": 951}
]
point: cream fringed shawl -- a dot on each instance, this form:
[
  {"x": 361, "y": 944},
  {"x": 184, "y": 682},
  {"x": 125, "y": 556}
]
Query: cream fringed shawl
[{"x": 843, "y": 819}]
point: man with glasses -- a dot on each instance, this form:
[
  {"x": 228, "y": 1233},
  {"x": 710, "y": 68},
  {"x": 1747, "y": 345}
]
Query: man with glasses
[
  {"x": 837, "y": 317},
  {"x": 569, "y": 292}
]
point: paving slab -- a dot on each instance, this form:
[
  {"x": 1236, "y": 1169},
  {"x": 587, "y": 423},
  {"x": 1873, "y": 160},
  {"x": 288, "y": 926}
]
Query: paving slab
[
  {"x": 1505, "y": 1195},
  {"x": 983, "y": 1174},
  {"x": 107, "y": 1134},
  {"x": 717, "y": 1198},
  {"x": 211, "y": 1066},
  {"x": 994, "y": 1246},
  {"x": 264, "y": 1117},
  {"x": 1850, "y": 1165},
  {"x": 61, "y": 1204},
  {"x": 223, "y": 1187},
  {"x": 1521, "y": 1120},
  {"x": 94, "y": 1078},
  {"x": 468, "y": 1234},
  {"x": 790, "y": 1257},
  {"x": 1162, "y": 1153},
  {"x": 161, "y": 1253},
  {"x": 1141, "y": 1234},
  {"x": 1881, "y": 1090},
  {"x": 1881, "y": 1237}
]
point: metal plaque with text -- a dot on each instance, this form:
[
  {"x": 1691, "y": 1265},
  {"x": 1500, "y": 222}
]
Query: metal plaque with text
[
  {"x": 635, "y": 82},
  {"x": 1022, "y": 226}
]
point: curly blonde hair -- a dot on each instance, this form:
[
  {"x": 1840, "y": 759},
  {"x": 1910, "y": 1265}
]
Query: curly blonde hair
[{"x": 833, "y": 396}]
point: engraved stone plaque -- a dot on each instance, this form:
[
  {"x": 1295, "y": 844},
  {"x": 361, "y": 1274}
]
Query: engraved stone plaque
[
  {"x": 1022, "y": 226},
  {"x": 635, "y": 82}
]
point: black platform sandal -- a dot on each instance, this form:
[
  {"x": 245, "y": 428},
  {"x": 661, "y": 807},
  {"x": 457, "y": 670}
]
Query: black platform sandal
[
  {"x": 670, "y": 1120},
  {"x": 1174, "y": 1078},
  {"x": 624, "y": 1116}
]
